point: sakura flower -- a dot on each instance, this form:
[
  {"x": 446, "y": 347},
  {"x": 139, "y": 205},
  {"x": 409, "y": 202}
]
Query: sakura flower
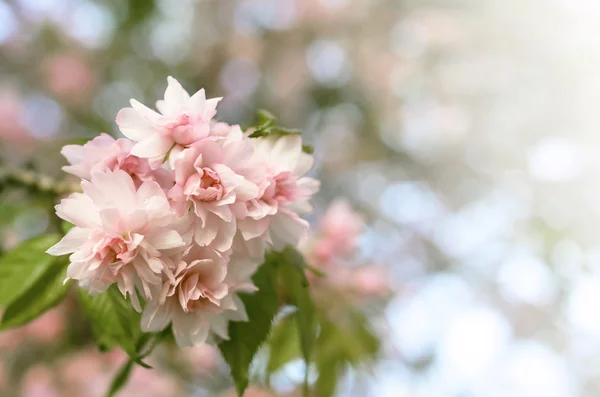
[
  {"x": 340, "y": 229},
  {"x": 274, "y": 217},
  {"x": 203, "y": 297},
  {"x": 121, "y": 235},
  {"x": 182, "y": 121},
  {"x": 105, "y": 153},
  {"x": 209, "y": 176}
]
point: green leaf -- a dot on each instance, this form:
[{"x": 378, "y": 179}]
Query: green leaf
[
  {"x": 297, "y": 287},
  {"x": 114, "y": 320},
  {"x": 121, "y": 378},
  {"x": 142, "y": 350},
  {"x": 308, "y": 149},
  {"x": 284, "y": 344},
  {"x": 345, "y": 342},
  {"x": 329, "y": 371},
  {"x": 245, "y": 338},
  {"x": 21, "y": 267},
  {"x": 48, "y": 291},
  {"x": 266, "y": 125},
  {"x": 264, "y": 116}
]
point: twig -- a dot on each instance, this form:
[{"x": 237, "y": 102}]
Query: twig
[{"x": 10, "y": 176}]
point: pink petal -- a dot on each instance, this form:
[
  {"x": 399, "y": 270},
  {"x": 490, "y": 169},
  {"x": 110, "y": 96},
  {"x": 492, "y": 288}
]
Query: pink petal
[
  {"x": 70, "y": 243},
  {"x": 204, "y": 235},
  {"x": 145, "y": 111},
  {"x": 134, "y": 125},
  {"x": 79, "y": 210},
  {"x": 175, "y": 97},
  {"x": 153, "y": 146},
  {"x": 155, "y": 317},
  {"x": 287, "y": 228},
  {"x": 165, "y": 239},
  {"x": 285, "y": 153}
]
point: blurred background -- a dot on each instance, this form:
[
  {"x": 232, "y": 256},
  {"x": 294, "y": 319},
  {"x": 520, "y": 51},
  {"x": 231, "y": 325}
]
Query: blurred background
[{"x": 466, "y": 133}]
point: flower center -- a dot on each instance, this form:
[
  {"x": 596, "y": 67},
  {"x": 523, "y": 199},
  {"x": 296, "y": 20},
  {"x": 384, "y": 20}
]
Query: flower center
[
  {"x": 204, "y": 186},
  {"x": 282, "y": 189},
  {"x": 185, "y": 130}
]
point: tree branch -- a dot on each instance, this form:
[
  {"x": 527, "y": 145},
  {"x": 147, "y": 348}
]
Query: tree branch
[{"x": 31, "y": 180}]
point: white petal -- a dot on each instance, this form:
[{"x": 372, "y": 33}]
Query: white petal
[
  {"x": 205, "y": 235},
  {"x": 225, "y": 235},
  {"x": 79, "y": 209},
  {"x": 165, "y": 239},
  {"x": 175, "y": 97},
  {"x": 219, "y": 325},
  {"x": 153, "y": 146},
  {"x": 285, "y": 153},
  {"x": 305, "y": 164},
  {"x": 111, "y": 188},
  {"x": 145, "y": 111},
  {"x": 155, "y": 317},
  {"x": 70, "y": 243},
  {"x": 134, "y": 125},
  {"x": 287, "y": 228},
  {"x": 190, "y": 329}
]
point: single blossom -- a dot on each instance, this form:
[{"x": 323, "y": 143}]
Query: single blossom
[
  {"x": 122, "y": 234},
  {"x": 181, "y": 120},
  {"x": 203, "y": 298},
  {"x": 339, "y": 233},
  {"x": 212, "y": 178},
  {"x": 285, "y": 191},
  {"x": 104, "y": 153}
]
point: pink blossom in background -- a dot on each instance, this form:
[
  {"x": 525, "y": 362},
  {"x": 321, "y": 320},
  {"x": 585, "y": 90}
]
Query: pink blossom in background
[
  {"x": 121, "y": 233},
  {"x": 333, "y": 248},
  {"x": 370, "y": 280},
  {"x": 204, "y": 358},
  {"x": 151, "y": 383},
  {"x": 339, "y": 232},
  {"x": 10, "y": 339},
  {"x": 104, "y": 153},
  {"x": 85, "y": 374},
  {"x": 39, "y": 382},
  {"x": 11, "y": 130},
  {"x": 182, "y": 121},
  {"x": 3, "y": 376},
  {"x": 48, "y": 327},
  {"x": 70, "y": 77}
]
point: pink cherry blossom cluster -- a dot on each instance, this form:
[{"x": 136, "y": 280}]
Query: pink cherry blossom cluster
[
  {"x": 333, "y": 249},
  {"x": 181, "y": 211}
]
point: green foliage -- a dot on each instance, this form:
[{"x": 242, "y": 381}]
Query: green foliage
[
  {"x": 66, "y": 226},
  {"x": 296, "y": 285},
  {"x": 267, "y": 125},
  {"x": 121, "y": 378},
  {"x": 282, "y": 272},
  {"x": 23, "y": 266},
  {"x": 284, "y": 344},
  {"x": 245, "y": 338},
  {"x": 8, "y": 213},
  {"x": 48, "y": 291},
  {"x": 114, "y": 321},
  {"x": 346, "y": 342}
]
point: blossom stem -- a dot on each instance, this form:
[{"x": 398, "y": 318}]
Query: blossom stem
[{"x": 10, "y": 176}]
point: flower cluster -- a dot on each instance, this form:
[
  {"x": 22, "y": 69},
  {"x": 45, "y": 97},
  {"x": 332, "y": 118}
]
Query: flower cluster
[
  {"x": 333, "y": 248},
  {"x": 181, "y": 211}
]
